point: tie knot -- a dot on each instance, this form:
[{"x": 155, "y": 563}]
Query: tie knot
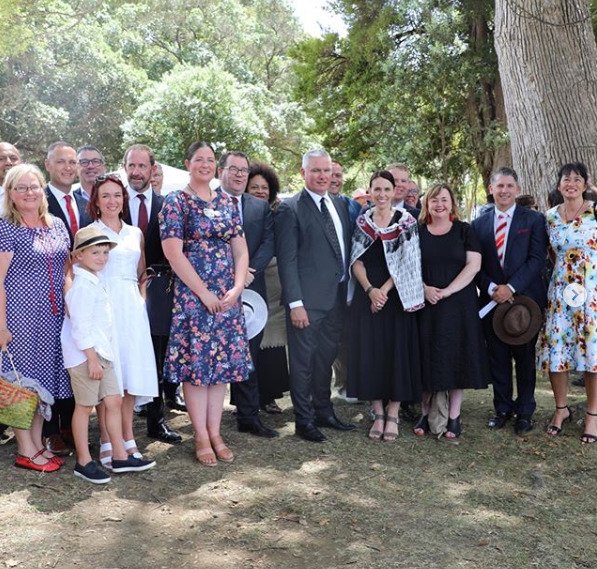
[
  {"x": 68, "y": 198},
  {"x": 502, "y": 216},
  {"x": 141, "y": 197},
  {"x": 235, "y": 199}
]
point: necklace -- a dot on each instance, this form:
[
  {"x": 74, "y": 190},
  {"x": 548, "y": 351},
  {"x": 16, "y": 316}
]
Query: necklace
[
  {"x": 568, "y": 219},
  {"x": 47, "y": 246},
  {"x": 197, "y": 193}
]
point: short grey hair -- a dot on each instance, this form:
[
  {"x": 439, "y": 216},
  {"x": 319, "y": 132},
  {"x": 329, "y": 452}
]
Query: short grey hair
[{"x": 315, "y": 153}]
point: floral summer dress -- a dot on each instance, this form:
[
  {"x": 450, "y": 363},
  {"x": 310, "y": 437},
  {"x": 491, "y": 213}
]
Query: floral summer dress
[
  {"x": 569, "y": 341},
  {"x": 205, "y": 349}
]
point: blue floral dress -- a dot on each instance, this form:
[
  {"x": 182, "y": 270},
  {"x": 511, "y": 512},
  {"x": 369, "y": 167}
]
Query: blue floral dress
[
  {"x": 205, "y": 349},
  {"x": 569, "y": 341}
]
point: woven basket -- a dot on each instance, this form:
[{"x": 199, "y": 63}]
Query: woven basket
[{"x": 17, "y": 404}]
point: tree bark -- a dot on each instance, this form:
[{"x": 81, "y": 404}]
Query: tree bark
[{"x": 548, "y": 66}]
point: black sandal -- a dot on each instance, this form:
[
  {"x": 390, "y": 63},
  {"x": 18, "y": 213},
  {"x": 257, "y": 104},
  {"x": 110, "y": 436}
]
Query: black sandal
[
  {"x": 422, "y": 426},
  {"x": 588, "y": 438},
  {"x": 455, "y": 427},
  {"x": 554, "y": 430}
]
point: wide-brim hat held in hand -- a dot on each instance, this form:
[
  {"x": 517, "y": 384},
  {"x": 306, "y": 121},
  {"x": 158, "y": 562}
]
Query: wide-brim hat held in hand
[
  {"x": 518, "y": 322},
  {"x": 255, "y": 311}
]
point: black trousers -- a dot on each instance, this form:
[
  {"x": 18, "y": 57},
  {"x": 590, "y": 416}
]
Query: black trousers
[
  {"x": 62, "y": 414},
  {"x": 156, "y": 408},
  {"x": 312, "y": 352},
  {"x": 245, "y": 395}
]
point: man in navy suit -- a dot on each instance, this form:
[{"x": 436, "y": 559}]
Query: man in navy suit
[
  {"x": 139, "y": 165},
  {"x": 61, "y": 165},
  {"x": 513, "y": 265},
  {"x": 258, "y": 225},
  {"x": 313, "y": 250}
]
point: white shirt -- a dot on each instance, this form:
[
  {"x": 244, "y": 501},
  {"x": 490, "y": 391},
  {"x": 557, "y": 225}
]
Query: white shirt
[
  {"x": 60, "y": 195},
  {"x": 88, "y": 323},
  {"x": 134, "y": 203},
  {"x": 240, "y": 203},
  {"x": 496, "y": 222},
  {"x": 337, "y": 225}
]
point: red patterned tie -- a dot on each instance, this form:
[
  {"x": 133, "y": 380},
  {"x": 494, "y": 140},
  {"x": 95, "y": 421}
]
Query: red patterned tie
[
  {"x": 143, "y": 219},
  {"x": 500, "y": 236},
  {"x": 72, "y": 218}
]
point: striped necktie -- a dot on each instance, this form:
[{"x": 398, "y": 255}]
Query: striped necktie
[{"x": 500, "y": 237}]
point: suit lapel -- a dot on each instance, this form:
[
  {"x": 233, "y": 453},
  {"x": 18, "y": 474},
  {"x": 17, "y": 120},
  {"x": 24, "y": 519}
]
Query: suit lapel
[{"x": 515, "y": 225}]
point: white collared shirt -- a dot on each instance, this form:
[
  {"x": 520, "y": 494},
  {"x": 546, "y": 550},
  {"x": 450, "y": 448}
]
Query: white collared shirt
[
  {"x": 134, "y": 203},
  {"x": 60, "y": 195},
  {"x": 88, "y": 321},
  {"x": 240, "y": 204},
  {"x": 496, "y": 221}
]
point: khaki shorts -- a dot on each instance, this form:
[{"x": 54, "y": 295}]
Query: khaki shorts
[{"x": 89, "y": 392}]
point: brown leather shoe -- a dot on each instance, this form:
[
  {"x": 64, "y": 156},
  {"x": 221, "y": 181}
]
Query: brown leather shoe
[{"x": 56, "y": 445}]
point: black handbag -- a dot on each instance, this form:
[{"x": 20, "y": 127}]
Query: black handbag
[{"x": 159, "y": 298}]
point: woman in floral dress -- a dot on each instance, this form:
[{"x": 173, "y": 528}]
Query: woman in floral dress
[
  {"x": 203, "y": 240},
  {"x": 570, "y": 338}
]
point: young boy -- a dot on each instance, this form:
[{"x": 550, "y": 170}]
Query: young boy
[{"x": 87, "y": 346}]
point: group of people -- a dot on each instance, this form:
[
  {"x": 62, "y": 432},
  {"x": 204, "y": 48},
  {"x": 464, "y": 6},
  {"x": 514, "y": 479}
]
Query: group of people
[{"x": 97, "y": 278}]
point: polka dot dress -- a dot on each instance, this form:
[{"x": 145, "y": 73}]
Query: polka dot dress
[{"x": 33, "y": 319}]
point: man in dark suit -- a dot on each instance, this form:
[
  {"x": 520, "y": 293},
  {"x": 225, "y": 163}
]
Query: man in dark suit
[
  {"x": 313, "y": 248},
  {"x": 144, "y": 207},
  {"x": 514, "y": 248},
  {"x": 61, "y": 165},
  {"x": 401, "y": 184},
  {"x": 90, "y": 165},
  {"x": 258, "y": 225}
]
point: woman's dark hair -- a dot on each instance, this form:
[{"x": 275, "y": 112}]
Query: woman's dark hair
[
  {"x": 261, "y": 169},
  {"x": 196, "y": 146},
  {"x": 576, "y": 167},
  {"x": 92, "y": 207},
  {"x": 382, "y": 174}
]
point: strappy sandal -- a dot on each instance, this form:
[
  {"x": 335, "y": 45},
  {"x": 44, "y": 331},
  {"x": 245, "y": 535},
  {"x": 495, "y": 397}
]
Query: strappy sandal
[
  {"x": 375, "y": 434},
  {"x": 553, "y": 430},
  {"x": 204, "y": 453},
  {"x": 106, "y": 461},
  {"x": 391, "y": 437},
  {"x": 588, "y": 438},
  {"x": 222, "y": 451},
  {"x": 421, "y": 428},
  {"x": 129, "y": 445},
  {"x": 454, "y": 428}
]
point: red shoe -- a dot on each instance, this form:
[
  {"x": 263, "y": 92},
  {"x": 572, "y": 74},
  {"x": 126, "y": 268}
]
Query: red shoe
[
  {"x": 27, "y": 463},
  {"x": 57, "y": 459}
]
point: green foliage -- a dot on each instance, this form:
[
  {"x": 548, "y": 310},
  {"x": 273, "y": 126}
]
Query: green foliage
[{"x": 413, "y": 81}]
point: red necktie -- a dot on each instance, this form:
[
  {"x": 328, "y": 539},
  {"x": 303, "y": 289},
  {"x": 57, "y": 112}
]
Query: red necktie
[
  {"x": 143, "y": 219},
  {"x": 500, "y": 236},
  {"x": 72, "y": 218}
]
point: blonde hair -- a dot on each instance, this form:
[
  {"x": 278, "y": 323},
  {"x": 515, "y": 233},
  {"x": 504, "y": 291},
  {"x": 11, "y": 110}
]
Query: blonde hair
[
  {"x": 425, "y": 216},
  {"x": 13, "y": 177}
]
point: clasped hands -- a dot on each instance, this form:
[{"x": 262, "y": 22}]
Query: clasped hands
[
  {"x": 215, "y": 304},
  {"x": 378, "y": 298},
  {"x": 502, "y": 293},
  {"x": 433, "y": 294}
]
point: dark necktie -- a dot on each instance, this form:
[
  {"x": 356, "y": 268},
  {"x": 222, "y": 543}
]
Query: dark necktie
[
  {"x": 235, "y": 201},
  {"x": 72, "y": 218},
  {"x": 143, "y": 219},
  {"x": 331, "y": 230}
]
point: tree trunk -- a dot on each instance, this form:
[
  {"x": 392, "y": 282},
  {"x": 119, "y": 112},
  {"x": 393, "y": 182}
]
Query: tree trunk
[{"x": 548, "y": 67}]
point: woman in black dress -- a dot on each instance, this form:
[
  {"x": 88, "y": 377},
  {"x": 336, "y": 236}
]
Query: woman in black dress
[
  {"x": 452, "y": 350},
  {"x": 383, "y": 356}
]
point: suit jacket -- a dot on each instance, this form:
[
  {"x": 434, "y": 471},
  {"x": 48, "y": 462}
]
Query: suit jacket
[
  {"x": 524, "y": 258},
  {"x": 154, "y": 255},
  {"x": 258, "y": 225},
  {"x": 307, "y": 261},
  {"x": 55, "y": 209}
]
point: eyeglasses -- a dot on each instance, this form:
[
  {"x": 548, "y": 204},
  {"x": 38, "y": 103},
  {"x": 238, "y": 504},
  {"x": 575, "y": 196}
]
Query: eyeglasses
[
  {"x": 234, "y": 170},
  {"x": 110, "y": 176},
  {"x": 91, "y": 162},
  {"x": 25, "y": 189}
]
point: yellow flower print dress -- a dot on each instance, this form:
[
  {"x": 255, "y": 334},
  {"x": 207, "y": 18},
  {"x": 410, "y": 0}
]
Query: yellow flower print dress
[{"x": 569, "y": 341}]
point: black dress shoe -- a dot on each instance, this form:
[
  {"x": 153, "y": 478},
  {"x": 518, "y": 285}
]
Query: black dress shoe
[
  {"x": 332, "y": 422},
  {"x": 523, "y": 425},
  {"x": 499, "y": 420},
  {"x": 176, "y": 404},
  {"x": 162, "y": 432},
  {"x": 258, "y": 429},
  {"x": 310, "y": 433}
]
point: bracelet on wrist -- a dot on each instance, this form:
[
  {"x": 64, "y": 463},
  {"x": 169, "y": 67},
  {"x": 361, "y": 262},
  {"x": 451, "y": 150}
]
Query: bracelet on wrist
[{"x": 369, "y": 289}]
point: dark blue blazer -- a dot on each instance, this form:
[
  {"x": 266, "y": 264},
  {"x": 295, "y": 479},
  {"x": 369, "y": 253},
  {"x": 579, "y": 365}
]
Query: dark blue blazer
[
  {"x": 524, "y": 259},
  {"x": 55, "y": 209}
]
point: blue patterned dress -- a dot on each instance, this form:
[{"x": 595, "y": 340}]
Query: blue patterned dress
[
  {"x": 204, "y": 348},
  {"x": 36, "y": 271}
]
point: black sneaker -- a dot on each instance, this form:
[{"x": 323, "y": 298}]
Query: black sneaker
[
  {"x": 132, "y": 464},
  {"x": 92, "y": 472}
]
